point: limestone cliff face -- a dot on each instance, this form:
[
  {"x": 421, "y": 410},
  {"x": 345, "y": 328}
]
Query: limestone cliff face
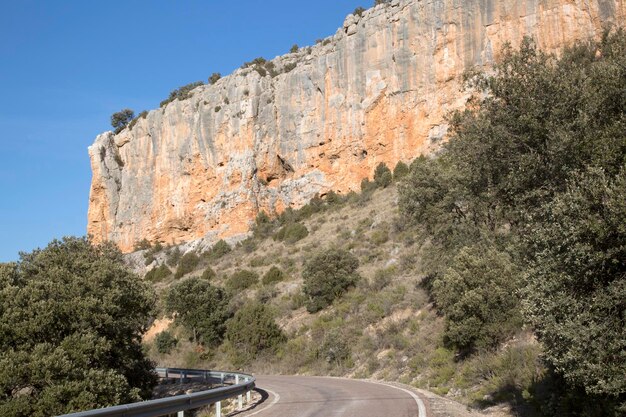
[{"x": 375, "y": 91}]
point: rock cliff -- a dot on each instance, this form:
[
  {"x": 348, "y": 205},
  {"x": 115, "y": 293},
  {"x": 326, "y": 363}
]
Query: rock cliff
[{"x": 272, "y": 136}]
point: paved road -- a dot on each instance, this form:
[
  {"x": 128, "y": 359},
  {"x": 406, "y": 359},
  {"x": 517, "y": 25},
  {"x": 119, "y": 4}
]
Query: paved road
[{"x": 296, "y": 396}]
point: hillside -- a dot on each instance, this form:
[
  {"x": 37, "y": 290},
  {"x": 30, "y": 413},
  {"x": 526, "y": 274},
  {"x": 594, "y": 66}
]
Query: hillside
[
  {"x": 276, "y": 132},
  {"x": 384, "y": 328}
]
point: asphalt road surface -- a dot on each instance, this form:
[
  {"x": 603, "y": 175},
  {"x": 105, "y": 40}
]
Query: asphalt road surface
[{"x": 298, "y": 396}]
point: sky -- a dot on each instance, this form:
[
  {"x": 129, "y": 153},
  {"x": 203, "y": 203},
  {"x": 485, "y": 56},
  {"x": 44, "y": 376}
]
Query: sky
[{"x": 67, "y": 65}]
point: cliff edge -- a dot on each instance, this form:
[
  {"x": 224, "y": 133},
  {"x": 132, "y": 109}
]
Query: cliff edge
[{"x": 272, "y": 136}]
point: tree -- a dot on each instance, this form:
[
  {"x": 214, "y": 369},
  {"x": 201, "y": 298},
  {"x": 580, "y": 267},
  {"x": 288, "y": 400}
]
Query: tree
[
  {"x": 400, "y": 171},
  {"x": 200, "y": 307},
  {"x": 294, "y": 48},
  {"x": 382, "y": 175},
  {"x": 214, "y": 77},
  {"x": 272, "y": 276},
  {"x": 72, "y": 314},
  {"x": 327, "y": 276},
  {"x": 478, "y": 296},
  {"x": 165, "y": 342},
  {"x": 576, "y": 284},
  {"x": 121, "y": 119},
  {"x": 253, "y": 331}
]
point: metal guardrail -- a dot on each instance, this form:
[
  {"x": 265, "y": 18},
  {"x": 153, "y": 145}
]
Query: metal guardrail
[{"x": 232, "y": 384}]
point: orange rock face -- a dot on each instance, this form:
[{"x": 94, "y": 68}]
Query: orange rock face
[{"x": 377, "y": 91}]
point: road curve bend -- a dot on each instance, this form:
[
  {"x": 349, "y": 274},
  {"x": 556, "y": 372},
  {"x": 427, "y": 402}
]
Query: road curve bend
[{"x": 305, "y": 396}]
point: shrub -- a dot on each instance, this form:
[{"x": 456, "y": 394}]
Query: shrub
[
  {"x": 187, "y": 263},
  {"x": 291, "y": 233},
  {"x": 478, "y": 294},
  {"x": 173, "y": 257},
  {"x": 289, "y": 67},
  {"x": 382, "y": 175},
  {"x": 294, "y": 48},
  {"x": 253, "y": 331},
  {"x": 218, "y": 250},
  {"x": 200, "y": 307},
  {"x": 358, "y": 11},
  {"x": 208, "y": 274},
  {"x": 274, "y": 274},
  {"x": 181, "y": 93},
  {"x": 327, "y": 276},
  {"x": 367, "y": 186},
  {"x": 400, "y": 170},
  {"x": 142, "y": 245},
  {"x": 242, "y": 280},
  {"x": 214, "y": 77},
  {"x": 217, "y": 109},
  {"x": 71, "y": 314},
  {"x": 158, "y": 273},
  {"x": 121, "y": 119},
  {"x": 165, "y": 342}
]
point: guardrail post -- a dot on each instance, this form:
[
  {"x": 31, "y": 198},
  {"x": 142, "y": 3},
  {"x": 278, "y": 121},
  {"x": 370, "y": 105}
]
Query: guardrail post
[
  {"x": 247, "y": 393},
  {"x": 218, "y": 409},
  {"x": 222, "y": 378},
  {"x": 239, "y": 397},
  {"x": 165, "y": 373},
  {"x": 180, "y": 414}
]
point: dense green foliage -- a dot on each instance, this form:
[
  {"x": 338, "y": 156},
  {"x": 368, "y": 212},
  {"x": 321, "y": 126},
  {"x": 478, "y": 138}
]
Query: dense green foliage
[
  {"x": 187, "y": 263},
  {"x": 291, "y": 233},
  {"x": 208, "y": 274},
  {"x": 577, "y": 281},
  {"x": 253, "y": 331},
  {"x": 241, "y": 280},
  {"x": 400, "y": 171},
  {"x": 121, "y": 119},
  {"x": 534, "y": 169},
  {"x": 218, "y": 250},
  {"x": 158, "y": 273},
  {"x": 165, "y": 342},
  {"x": 478, "y": 295},
  {"x": 200, "y": 307},
  {"x": 72, "y": 314},
  {"x": 327, "y": 276},
  {"x": 382, "y": 175},
  {"x": 272, "y": 276}
]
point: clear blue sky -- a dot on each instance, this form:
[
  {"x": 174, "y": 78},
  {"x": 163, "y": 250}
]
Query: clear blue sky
[{"x": 66, "y": 66}]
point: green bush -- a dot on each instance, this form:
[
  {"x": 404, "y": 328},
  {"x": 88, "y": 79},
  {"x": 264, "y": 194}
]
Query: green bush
[
  {"x": 70, "y": 314},
  {"x": 274, "y": 275},
  {"x": 218, "y": 250},
  {"x": 199, "y": 307},
  {"x": 158, "y": 274},
  {"x": 253, "y": 331},
  {"x": 181, "y": 93},
  {"x": 478, "y": 294},
  {"x": 382, "y": 176},
  {"x": 165, "y": 342},
  {"x": 242, "y": 280},
  {"x": 294, "y": 48},
  {"x": 214, "y": 77},
  {"x": 327, "y": 276},
  {"x": 173, "y": 257},
  {"x": 208, "y": 274},
  {"x": 187, "y": 264},
  {"x": 367, "y": 186},
  {"x": 400, "y": 171},
  {"x": 291, "y": 233},
  {"x": 358, "y": 11},
  {"x": 142, "y": 245},
  {"x": 121, "y": 119}
]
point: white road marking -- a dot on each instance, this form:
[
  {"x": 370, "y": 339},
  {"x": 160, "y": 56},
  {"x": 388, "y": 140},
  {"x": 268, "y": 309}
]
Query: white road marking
[
  {"x": 274, "y": 401},
  {"x": 421, "y": 408}
]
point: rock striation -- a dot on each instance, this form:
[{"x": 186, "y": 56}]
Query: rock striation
[{"x": 321, "y": 119}]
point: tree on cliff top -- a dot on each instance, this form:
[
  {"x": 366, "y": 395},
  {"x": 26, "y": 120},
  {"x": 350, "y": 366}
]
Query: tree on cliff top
[
  {"x": 71, "y": 320},
  {"x": 121, "y": 119}
]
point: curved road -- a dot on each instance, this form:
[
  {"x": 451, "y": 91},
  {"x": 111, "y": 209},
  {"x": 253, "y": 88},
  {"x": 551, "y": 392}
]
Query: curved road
[{"x": 299, "y": 396}]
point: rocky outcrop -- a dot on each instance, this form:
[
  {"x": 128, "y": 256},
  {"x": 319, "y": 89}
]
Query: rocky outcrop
[{"x": 321, "y": 119}]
